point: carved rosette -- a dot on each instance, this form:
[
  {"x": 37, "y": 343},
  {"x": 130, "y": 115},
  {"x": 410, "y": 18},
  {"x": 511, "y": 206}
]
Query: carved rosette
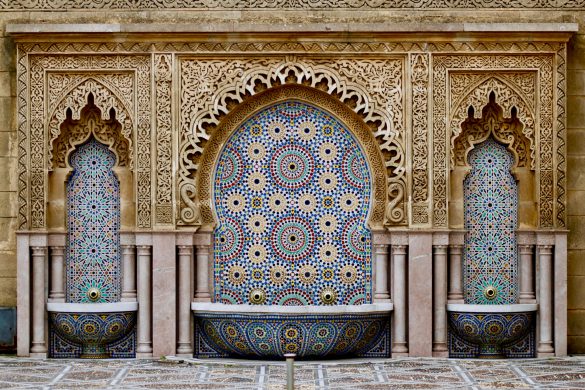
[{"x": 372, "y": 88}]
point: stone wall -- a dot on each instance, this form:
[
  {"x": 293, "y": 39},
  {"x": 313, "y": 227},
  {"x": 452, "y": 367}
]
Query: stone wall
[{"x": 575, "y": 107}]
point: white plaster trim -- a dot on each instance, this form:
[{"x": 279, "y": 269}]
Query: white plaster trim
[
  {"x": 206, "y": 307},
  {"x": 109, "y": 307},
  {"x": 515, "y": 308}
]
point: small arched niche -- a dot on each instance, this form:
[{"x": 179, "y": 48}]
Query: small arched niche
[
  {"x": 506, "y": 130},
  {"x": 74, "y": 133}
]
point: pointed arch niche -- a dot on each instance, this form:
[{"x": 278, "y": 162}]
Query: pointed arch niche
[
  {"x": 75, "y": 132},
  {"x": 507, "y": 129}
]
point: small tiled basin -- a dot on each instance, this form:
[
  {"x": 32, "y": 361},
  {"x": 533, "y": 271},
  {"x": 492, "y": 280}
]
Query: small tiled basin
[
  {"x": 93, "y": 325},
  {"x": 254, "y": 331},
  {"x": 491, "y": 327}
]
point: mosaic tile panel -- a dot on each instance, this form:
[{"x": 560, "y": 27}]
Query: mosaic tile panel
[
  {"x": 292, "y": 193},
  {"x": 491, "y": 220},
  {"x": 93, "y": 221},
  {"x": 308, "y": 336}
]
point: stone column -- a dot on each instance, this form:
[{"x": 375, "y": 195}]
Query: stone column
[
  {"x": 399, "y": 299},
  {"x": 526, "y": 274},
  {"x": 381, "y": 293},
  {"x": 57, "y": 293},
  {"x": 455, "y": 278},
  {"x": 185, "y": 261},
  {"x": 38, "y": 345},
  {"x": 144, "y": 347},
  {"x": 203, "y": 272},
  {"x": 440, "y": 300},
  {"x": 545, "y": 342},
  {"x": 129, "y": 273}
]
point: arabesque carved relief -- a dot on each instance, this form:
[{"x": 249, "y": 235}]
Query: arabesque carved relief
[
  {"x": 372, "y": 88},
  {"x": 141, "y": 80}
]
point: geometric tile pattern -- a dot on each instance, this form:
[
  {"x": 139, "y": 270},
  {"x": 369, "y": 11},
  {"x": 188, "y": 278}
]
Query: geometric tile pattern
[
  {"x": 491, "y": 219},
  {"x": 492, "y": 335},
  {"x": 396, "y": 373},
  {"x": 93, "y": 222},
  {"x": 308, "y": 336},
  {"x": 292, "y": 193},
  {"x": 93, "y": 335}
]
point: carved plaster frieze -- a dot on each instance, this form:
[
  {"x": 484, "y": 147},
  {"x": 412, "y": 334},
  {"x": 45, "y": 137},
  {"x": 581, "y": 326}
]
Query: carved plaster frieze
[
  {"x": 444, "y": 67},
  {"x": 283, "y": 4},
  {"x": 41, "y": 107},
  {"x": 372, "y": 88}
]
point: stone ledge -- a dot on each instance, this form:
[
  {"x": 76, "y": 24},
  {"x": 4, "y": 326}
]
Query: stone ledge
[{"x": 35, "y": 28}]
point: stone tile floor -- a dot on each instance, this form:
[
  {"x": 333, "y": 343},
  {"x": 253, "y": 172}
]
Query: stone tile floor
[{"x": 404, "y": 373}]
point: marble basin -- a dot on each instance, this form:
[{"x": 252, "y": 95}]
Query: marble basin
[
  {"x": 269, "y": 332},
  {"x": 491, "y": 327},
  {"x": 93, "y": 325}
]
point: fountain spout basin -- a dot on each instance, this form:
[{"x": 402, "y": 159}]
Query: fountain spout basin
[
  {"x": 93, "y": 325},
  {"x": 491, "y": 327}
]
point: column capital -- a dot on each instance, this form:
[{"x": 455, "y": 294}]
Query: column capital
[
  {"x": 39, "y": 250},
  {"x": 440, "y": 249},
  {"x": 399, "y": 249},
  {"x": 545, "y": 249},
  {"x": 525, "y": 249},
  {"x": 185, "y": 249}
]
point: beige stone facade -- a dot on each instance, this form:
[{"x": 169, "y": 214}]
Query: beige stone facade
[{"x": 391, "y": 35}]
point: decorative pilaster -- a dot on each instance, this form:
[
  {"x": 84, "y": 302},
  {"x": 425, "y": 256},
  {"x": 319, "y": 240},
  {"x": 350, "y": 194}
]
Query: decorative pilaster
[
  {"x": 545, "y": 341},
  {"x": 185, "y": 261},
  {"x": 38, "y": 345},
  {"x": 129, "y": 273},
  {"x": 57, "y": 293},
  {"x": 399, "y": 260},
  {"x": 455, "y": 262},
  {"x": 144, "y": 300},
  {"x": 440, "y": 299},
  {"x": 526, "y": 274},
  {"x": 381, "y": 241}
]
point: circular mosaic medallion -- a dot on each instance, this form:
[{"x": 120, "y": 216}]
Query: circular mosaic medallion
[
  {"x": 292, "y": 166},
  {"x": 355, "y": 240},
  {"x": 292, "y": 238},
  {"x": 230, "y": 239},
  {"x": 327, "y": 151},
  {"x": 257, "y": 254},
  {"x": 277, "y": 202},
  {"x": 328, "y": 181},
  {"x": 307, "y": 203},
  {"x": 277, "y": 131},
  {"x": 306, "y": 130},
  {"x": 353, "y": 169},
  {"x": 256, "y": 151},
  {"x": 231, "y": 169},
  {"x": 236, "y": 203},
  {"x": 307, "y": 274}
]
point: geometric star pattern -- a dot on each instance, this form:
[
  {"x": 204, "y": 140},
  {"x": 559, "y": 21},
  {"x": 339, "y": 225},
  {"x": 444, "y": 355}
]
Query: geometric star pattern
[
  {"x": 491, "y": 220},
  {"x": 93, "y": 222},
  {"x": 292, "y": 194}
]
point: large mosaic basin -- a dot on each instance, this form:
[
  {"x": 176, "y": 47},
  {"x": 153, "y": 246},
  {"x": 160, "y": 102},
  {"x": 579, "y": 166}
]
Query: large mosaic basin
[
  {"x": 93, "y": 325},
  {"x": 491, "y": 327},
  {"x": 270, "y": 332}
]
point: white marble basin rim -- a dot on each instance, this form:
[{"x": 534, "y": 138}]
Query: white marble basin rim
[
  {"x": 208, "y": 307},
  {"x": 512, "y": 308},
  {"x": 109, "y": 307}
]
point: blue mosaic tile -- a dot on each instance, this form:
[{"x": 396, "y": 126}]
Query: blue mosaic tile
[
  {"x": 308, "y": 336},
  {"x": 491, "y": 220},
  {"x": 93, "y": 222},
  {"x": 292, "y": 191}
]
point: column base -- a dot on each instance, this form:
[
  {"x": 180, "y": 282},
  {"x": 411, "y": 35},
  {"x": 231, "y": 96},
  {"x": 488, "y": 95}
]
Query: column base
[
  {"x": 144, "y": 355},
  {"x": 398, "y": 348},
  {"x": 184, "y": 350},
  {"x": 545, "y": 348},
  {"x": 455, "y": 299},
  {"x": 38, "y": 355},
  {"x": 128, "y": 299},
  {"x": 440, "y": 347},
  {"x": 202, "y": 299},
  {"x": 38, "y": 348}
]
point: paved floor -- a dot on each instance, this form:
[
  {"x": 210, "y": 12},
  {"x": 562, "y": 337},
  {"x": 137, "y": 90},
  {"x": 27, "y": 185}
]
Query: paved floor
[{"x": 567, "y": 373}]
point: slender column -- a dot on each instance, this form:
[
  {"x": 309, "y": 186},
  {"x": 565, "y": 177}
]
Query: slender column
[
  {"x": 144, "y": 300},
  {"x": 129, "y": 273},
  {"x": 185, "y": 257},
  {"x": 440, "y": 298},
  {"x": 57, "y": 293},
  {"x": 381, "y": 252},
  {"x": 38, "y": 310},
  {"x": 455, "y": 263},
  {"x": 202, "y": 292},
  {"x": 545, "y": 343},
  {"x": 399, "y": 298},
  {"x": 526, "y": 274}
]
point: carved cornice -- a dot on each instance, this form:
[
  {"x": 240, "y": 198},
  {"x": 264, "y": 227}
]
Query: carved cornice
[{"x": 286, "y": 4}]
